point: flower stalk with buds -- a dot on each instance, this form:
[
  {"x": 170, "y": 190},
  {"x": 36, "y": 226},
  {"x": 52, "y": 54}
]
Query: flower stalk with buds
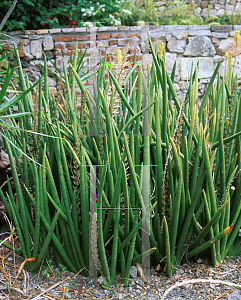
[
  {"x": 236, "y": 38},
  {"x": 161, "y": 47}
]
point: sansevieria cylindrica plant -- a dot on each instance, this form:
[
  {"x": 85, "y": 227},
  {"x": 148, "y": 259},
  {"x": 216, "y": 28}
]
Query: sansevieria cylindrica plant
[{"x": 157, "y": 161}]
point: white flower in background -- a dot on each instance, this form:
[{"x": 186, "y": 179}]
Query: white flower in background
[
  {"x": 103, "y": 9},
  {"x": 88, "y": 24},
  {"x": 233, "y": 188},
  {"x": 126, "y": 11},
  {"x": 117, "y": 23},
  {"x": 82, "y": 9},
  {"x": 113, "y": 20},
  {"x": 84, "y": 14},
  {"x": 92, "y": 8}
]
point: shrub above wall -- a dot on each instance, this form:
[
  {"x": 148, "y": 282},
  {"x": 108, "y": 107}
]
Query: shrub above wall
[
  {"x": 40, "y": 14},
  {"x": 32, "y": 14}
]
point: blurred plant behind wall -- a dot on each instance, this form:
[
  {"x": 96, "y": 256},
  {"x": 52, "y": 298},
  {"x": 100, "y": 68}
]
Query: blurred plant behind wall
[{"x": 33, "y": 14}]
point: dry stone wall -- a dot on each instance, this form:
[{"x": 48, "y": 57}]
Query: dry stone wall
[
  {"x": 217, "y": 7},
  {"x": 183, "y": 44}
]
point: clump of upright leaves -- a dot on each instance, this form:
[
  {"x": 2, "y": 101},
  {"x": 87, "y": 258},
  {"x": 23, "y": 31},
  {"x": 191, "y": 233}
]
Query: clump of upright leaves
[{"x": 191, "y": 152}]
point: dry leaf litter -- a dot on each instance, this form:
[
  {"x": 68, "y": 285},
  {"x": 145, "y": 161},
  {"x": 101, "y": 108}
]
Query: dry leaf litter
[{"x": 17, "y": 283}]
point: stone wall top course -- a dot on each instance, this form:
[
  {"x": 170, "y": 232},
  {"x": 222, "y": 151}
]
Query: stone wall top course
[
  {"x": 222, "y": 28},
  {"x": 17, "y": 32},
  {"x": 102, "y": 28},
  {"x": 55, "y": 30},
  {"x": 42, "y": 31},
  {"x": 83, "y": 29},
  {"x": 30, "y": 31},
  {"x": 198, "y": 27},
  {"x": 67, "y": 30}
]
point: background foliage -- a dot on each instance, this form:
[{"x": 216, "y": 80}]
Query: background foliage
[
  {"x": 24, "y": 15},
  {"x": 33, "y": 14}
]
